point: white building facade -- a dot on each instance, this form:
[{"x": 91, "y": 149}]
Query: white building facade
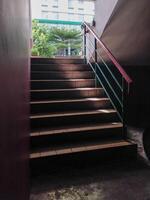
[{"x": 63, "y": 10}]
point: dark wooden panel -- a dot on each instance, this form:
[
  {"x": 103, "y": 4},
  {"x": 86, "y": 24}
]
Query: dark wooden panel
[{"x": 14, "y": 99}]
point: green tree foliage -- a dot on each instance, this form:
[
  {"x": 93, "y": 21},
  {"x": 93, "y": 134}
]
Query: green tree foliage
[
  {"x": 66, "y": 39},
  {"x": 41, "y": 43},
  {"x": 51, "y": 41}
]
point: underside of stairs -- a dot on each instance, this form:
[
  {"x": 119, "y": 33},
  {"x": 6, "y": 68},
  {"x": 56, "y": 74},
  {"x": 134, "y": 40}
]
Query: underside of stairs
[{"x": 69, "y": 113}]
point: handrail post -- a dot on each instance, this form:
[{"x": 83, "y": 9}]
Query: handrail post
[
  {"x": 124, "y": 103},
  {"x": 85, "y": 44},
  {"x": 95, "y": 53},
  {"x": 95, "y": 45}
]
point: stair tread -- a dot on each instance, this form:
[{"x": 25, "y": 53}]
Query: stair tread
[
  {"x": 74, "y": 148},
  {"x": 72, "y": 113},
  {"x": 64, "y": 72},
  {"x": 77, "y": 128},
  {"x": 69, "y": 100},
  {"x": 57, "y": 80},
  {"x": 61, "y": 64},
  {"x": 59, "y": 59},
  {"x": 67, "y": 89}
]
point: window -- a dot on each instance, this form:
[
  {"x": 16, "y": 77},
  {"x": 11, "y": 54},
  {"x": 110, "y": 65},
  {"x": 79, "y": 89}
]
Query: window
[
  {"x": 44, "y": 1},
  {"x": 81, "y": 10},
  {"x": 70, "y": 16},
  {"x": 81, "y": 3},
  {"x": 55, "y": 15},
  {"x": 55, "y": 3},
  {"x": 70, "y": 8},
  {"x": 55, "y": 6},
  {"x": 88, "y": 18},
  {"x": 44, "y": 5},
  {"x": 45, "y": 14},
  {"x": 70, "y": 4},
  {"x": 81, "y": 17}
]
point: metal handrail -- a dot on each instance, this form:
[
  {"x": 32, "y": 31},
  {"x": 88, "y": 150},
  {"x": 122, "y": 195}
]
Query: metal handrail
[
  {"x": 117, "y": 95},
  {"x": 110, "y": 55},
  {"x": 106, "y": 65},
  {"x": 94, "y": 70},
  {"x": 108, "y": 84}
]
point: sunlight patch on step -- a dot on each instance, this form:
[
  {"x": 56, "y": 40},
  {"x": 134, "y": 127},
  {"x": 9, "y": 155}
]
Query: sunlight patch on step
[
  {"x": 104, "y": 111},
  {"x": 92, "y": 99},
  {"x": 83, "y": 88}
]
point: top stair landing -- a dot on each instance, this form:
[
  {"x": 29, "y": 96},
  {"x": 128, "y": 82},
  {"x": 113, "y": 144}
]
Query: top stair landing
[{"x": 70, "y": 60}]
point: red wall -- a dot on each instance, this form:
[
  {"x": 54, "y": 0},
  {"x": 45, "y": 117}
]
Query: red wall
[{"x": 14, "y": 99}]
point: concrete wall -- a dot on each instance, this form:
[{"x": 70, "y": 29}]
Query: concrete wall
[
  {"x": 14, "y": 99},
  {"x": 127, "y": 32},
  {"x": 103, "y": 11}
]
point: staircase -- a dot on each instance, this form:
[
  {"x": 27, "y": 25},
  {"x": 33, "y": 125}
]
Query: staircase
[{"x": 69, "y": 115}]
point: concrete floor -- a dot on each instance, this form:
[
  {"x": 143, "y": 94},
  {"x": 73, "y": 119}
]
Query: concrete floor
[{"x": 115, "y": 181}]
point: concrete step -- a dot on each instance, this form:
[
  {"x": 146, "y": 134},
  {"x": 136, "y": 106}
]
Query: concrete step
[
  {"x": 41, "y": 60},
  {"x": 55, "y": 94},
  {"x": 73, "y": 118},
  {"x": 74, "y": 134},
  {"x": 62, "y": 83},
  {"x": 95, "y": 146},
  {"x": 40, "y": 75},
  {"x": 80, "y": 129},
  {"x": 69, "y": 104},
  {"x": 60, "y": 67}
]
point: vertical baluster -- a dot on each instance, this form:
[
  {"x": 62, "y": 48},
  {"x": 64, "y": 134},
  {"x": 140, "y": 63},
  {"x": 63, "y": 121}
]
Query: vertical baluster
[
  {"x": 124, "y": 105},
  {"x": 85, "y": 43},
  {"x": 95, "y": 45},
  {"x": 95, "y": 53}
]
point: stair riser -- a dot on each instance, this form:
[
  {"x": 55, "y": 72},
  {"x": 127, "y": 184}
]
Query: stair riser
[
  {"x": 72, "y": 106},
  {"x": 95, "y": 157},
  {"x": 60, "y": 67},
  {"x": 66, "y": 94},
  {"x": 56, "y": 61},
  {"x": 73, "y": 120},
  {"x": 61, "y": 75},
  {"x": 62, "y": 84},
  {"x": 65, "y": 138}
]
